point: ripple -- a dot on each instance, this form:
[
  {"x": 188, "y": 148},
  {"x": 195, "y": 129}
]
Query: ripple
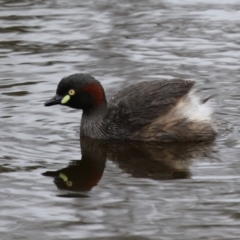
[{"x": 120, "y": 43}]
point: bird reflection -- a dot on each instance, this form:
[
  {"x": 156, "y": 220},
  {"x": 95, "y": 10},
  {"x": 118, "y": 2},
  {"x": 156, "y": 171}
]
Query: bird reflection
[
  {"x": 159, "y": 161},
  {"x": 139, "y": 159},
  {"x": 83, "y": 174}
]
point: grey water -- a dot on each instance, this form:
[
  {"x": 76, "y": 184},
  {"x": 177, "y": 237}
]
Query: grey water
[{"x": 54, "y": 187}]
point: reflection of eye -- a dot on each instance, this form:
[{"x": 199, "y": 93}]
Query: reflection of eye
[
  {"x": 71, "y": 92},
  {"x": 69, "y": 183}
]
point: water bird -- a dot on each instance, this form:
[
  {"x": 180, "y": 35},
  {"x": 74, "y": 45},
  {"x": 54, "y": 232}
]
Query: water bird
[{"x": 159, "y": 110}]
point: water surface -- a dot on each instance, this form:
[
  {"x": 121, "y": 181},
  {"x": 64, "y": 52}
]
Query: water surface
[{"x": 156, "y": 192}]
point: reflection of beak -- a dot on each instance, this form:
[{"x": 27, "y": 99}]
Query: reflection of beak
[
  {"x": 53, "y": 101},
  {"x": 65, "y": 179}
]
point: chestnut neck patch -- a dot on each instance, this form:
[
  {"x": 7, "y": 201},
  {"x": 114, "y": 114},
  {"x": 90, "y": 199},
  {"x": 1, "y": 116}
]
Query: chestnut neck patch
[{"x": 97, "y": 93}]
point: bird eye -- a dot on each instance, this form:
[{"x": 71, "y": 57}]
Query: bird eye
[
  {"x": 69, "y": 183},
  {"x": 71, "y": 92}
]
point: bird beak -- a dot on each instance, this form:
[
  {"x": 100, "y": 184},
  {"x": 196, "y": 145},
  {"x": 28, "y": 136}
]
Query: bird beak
[{"x": 53, "y": 101}]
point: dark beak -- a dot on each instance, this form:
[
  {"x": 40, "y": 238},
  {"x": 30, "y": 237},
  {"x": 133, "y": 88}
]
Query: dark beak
[{"x": 53, "y": 101}]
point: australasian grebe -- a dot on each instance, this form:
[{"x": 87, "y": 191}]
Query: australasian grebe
[{"x": 164, "y": 110}]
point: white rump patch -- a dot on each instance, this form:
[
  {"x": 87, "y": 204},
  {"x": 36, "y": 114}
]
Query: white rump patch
[{"x": 191, "y": 108}]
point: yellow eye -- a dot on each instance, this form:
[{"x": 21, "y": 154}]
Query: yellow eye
[
  {"x": 69, "y": 183},
  {"x": 71, "y": 92}
]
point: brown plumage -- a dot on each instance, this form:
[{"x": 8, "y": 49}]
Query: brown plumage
[{"x": 165, "y": 110}]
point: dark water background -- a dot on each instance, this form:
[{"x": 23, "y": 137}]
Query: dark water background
[{"x": 157, "y": 192}]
